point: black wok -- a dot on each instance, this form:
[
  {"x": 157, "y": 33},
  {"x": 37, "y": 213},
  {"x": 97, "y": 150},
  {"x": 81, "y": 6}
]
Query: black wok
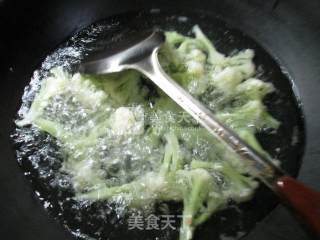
[{"x": 288, "y": 30}]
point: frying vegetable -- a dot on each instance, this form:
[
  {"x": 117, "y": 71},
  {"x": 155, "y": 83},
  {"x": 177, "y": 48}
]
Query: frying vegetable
[{"x": 124, "y": 139}]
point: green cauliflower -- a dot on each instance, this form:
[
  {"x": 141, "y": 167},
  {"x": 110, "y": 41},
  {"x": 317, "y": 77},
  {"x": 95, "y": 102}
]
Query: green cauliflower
[{"x": 121, "y": 140}]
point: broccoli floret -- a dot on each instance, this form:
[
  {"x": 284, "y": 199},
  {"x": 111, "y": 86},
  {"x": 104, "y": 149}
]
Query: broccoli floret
[
  {"x": 214, "y": 57},
  {"x": 252, "y": 115},
  {"x": 200, "y": 199},
  {"x": 172, "y": 158},
  {"x": 254, "y": 89}
]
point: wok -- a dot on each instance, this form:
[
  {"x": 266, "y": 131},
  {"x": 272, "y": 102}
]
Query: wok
[{"x": 287, "y": 30}]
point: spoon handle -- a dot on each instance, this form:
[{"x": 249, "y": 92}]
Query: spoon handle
[
  {"x": 304, "y": 201},
  {"x": 260, "y": 166},
  {"x": 301, "y": 199}
]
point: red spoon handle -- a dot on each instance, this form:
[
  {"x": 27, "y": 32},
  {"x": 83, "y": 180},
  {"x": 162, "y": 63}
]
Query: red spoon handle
[{"x": 304, "y": 201}]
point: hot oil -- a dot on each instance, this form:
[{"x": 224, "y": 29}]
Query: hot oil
[{"x": 41, "y": 158}]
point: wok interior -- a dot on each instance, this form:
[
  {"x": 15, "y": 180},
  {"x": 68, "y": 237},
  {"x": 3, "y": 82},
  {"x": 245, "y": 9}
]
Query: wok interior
[{"x": 287, "y": 144}]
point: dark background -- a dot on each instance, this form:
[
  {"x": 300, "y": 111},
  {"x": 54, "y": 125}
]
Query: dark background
[{"x": 288, "y": 29}]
